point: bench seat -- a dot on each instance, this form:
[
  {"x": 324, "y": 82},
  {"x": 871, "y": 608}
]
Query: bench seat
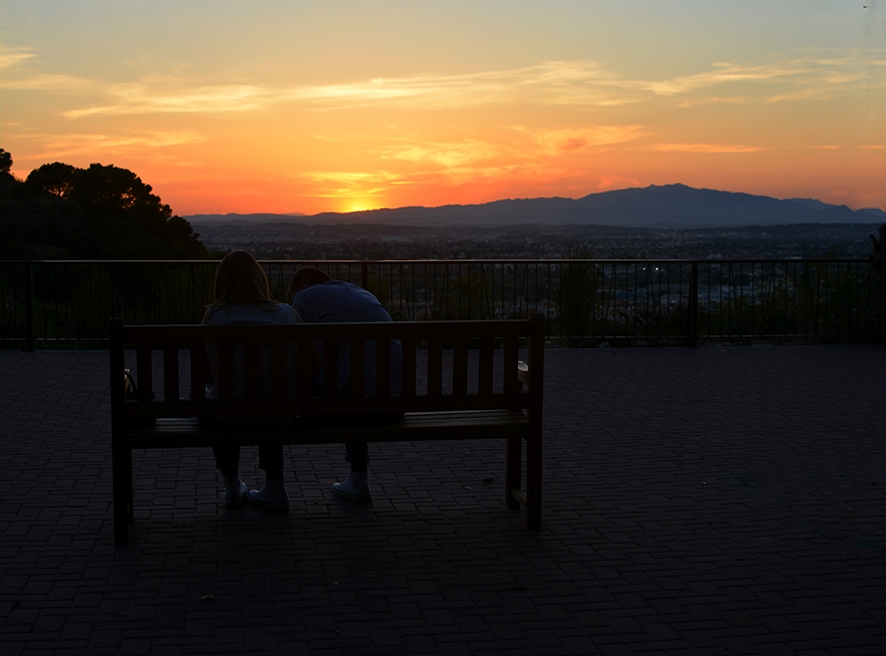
[{"x": 455, "y": 425}]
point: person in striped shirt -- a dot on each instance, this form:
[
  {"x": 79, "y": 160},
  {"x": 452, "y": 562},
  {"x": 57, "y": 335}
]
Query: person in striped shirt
[{"x": 319, "y": 299}]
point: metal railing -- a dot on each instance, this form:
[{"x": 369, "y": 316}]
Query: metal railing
[{"x": 57, "y": 303}]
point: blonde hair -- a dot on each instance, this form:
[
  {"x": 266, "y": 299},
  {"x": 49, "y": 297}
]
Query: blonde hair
[{"x": 240, "y": 280}]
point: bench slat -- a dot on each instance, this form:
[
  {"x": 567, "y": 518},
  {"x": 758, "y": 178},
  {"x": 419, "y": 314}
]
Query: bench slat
[
  {"x": 225, "y": 376},
  {"x": 145, "y": 372},
  {"x": 424, "y": 426},
  {"x": 435, "y": 367},
  {"x": 199, "y": 366},
  {"x": 487, "y": 356},
  {"x": 357, "y": 381},
  {"x": 279, "y": 365},
  {"x": 408, "y": 370},
  {"x": 460, "y": 367},
  {"x": 305, "y": 367},
  {"x": 330, "y": 369},
  {"x": 511, "y": 382},
  {"x": 316, "y": 405},
  {"x": 170, "y": 372},
  {"x": 319, "y": 332},
  {"x": 252, "y": 369},
  {"x": 383, "y": 367}
]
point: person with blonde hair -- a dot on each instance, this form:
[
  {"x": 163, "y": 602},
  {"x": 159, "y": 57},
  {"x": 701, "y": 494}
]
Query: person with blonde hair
[{"x": 243, "y": 297}]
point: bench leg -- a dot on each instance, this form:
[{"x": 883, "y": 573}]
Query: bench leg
[
  {"x": 513, "y": 471},
  {"x": 533, "y": 482},
  {"x": 121, "y": 464}
]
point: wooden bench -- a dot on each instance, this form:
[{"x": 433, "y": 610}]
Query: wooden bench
[{"x": 480, "y": 397}]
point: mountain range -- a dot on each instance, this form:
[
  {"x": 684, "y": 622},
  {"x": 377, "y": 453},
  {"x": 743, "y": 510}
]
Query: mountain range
[{"x": 656, "y": 206}]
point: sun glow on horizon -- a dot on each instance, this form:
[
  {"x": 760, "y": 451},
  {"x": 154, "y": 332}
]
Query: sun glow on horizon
[{"x": 357, "y": 206}]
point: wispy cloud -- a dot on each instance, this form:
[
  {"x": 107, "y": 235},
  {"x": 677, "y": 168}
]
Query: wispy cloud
[
  {"x": 554, "y": 82},
  {"x": 576, "y": 83},
  {"x": 548, "y": 83},
  {"x": 147, "y": 98},
  {"x": 575, "y": 140},
  {"x": 445, "y": 154},
  {"x": 476, "y": 174},
  {"x": 724, "y": 73},
  {"x": 9, "y": 58},
  {"x": 49, "y": 82},
  {"x": 63, "y": 145},
  {"x": 808, "y": 74},
  {"x": 348, "y": 184},
  {"x": 706, "y": 148},
  {"x": 26, "y": 79},
  {"x": 526, "y": 147}
]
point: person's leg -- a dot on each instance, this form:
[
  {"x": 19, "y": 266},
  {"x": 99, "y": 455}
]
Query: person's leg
[
  {"x": 356, "y": 486},
  {"x": 270, "y": 458},
  {"x": 357, "y": 455},
  {"x": 273, "y": 495},
  {"x": 227, "y": 461}
]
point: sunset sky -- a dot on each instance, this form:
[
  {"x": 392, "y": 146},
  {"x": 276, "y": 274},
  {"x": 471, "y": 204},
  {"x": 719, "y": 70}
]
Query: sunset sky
[{"x": 297, "y": 106}]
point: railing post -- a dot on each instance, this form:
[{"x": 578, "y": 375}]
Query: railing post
[
  {"x": 693, "y": 306},
  {"x": 29, "y": 307},
  {"x": 364, "y": 275}
]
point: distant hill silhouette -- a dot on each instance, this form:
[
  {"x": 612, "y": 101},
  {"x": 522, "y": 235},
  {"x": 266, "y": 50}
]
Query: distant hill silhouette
[{"x": 656, "y": 206}]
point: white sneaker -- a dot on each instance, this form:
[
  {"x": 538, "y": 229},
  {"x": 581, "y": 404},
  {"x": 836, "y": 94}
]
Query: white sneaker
[
  {"x": 235, "y": 492},
  {"x": 272, "y": 496},
  {"x": 355, "y": 488}
]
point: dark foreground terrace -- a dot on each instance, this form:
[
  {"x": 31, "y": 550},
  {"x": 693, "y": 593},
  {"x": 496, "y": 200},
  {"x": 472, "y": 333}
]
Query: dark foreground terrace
[{"x": 709, "y": 501}]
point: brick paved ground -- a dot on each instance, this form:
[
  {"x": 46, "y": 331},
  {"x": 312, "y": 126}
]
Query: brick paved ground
[{"x": 711, "y": 501}]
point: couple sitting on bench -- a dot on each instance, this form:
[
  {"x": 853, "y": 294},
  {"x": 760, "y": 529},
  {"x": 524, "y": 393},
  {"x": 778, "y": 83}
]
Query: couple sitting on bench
[{"x": 243, "y": 297}]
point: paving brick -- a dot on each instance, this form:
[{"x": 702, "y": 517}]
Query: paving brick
[{"x": 708, "y": 501}]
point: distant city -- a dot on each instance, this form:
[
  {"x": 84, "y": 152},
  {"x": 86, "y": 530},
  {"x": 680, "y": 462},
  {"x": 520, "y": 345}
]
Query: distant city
[{"x": 292, "y": 240}]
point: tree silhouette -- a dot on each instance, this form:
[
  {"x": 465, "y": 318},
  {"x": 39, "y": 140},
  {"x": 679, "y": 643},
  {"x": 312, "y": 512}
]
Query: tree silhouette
[
  {"x": 105, "y": 212},
  {"x": 55, "y": 179},
  {"x": 5, "y": 162}
]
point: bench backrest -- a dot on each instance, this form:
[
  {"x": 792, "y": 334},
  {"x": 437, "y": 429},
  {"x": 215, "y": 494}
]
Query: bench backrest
[{"x": 466, "y": 375}]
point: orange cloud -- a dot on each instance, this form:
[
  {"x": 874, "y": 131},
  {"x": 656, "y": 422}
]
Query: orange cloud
[
  {"x": 64, "y": 145},
  {"x": 616, "y": 182},
  {"x": 706, "y": 148},
  {"x": 446, "y": 154},
  {"x": 565, "y": 141}
]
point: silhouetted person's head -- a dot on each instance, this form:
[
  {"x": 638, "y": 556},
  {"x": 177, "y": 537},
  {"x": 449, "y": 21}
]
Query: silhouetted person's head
[
  {"x": 304, "y": 278},
  {"x": 240, "y": 280}
]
